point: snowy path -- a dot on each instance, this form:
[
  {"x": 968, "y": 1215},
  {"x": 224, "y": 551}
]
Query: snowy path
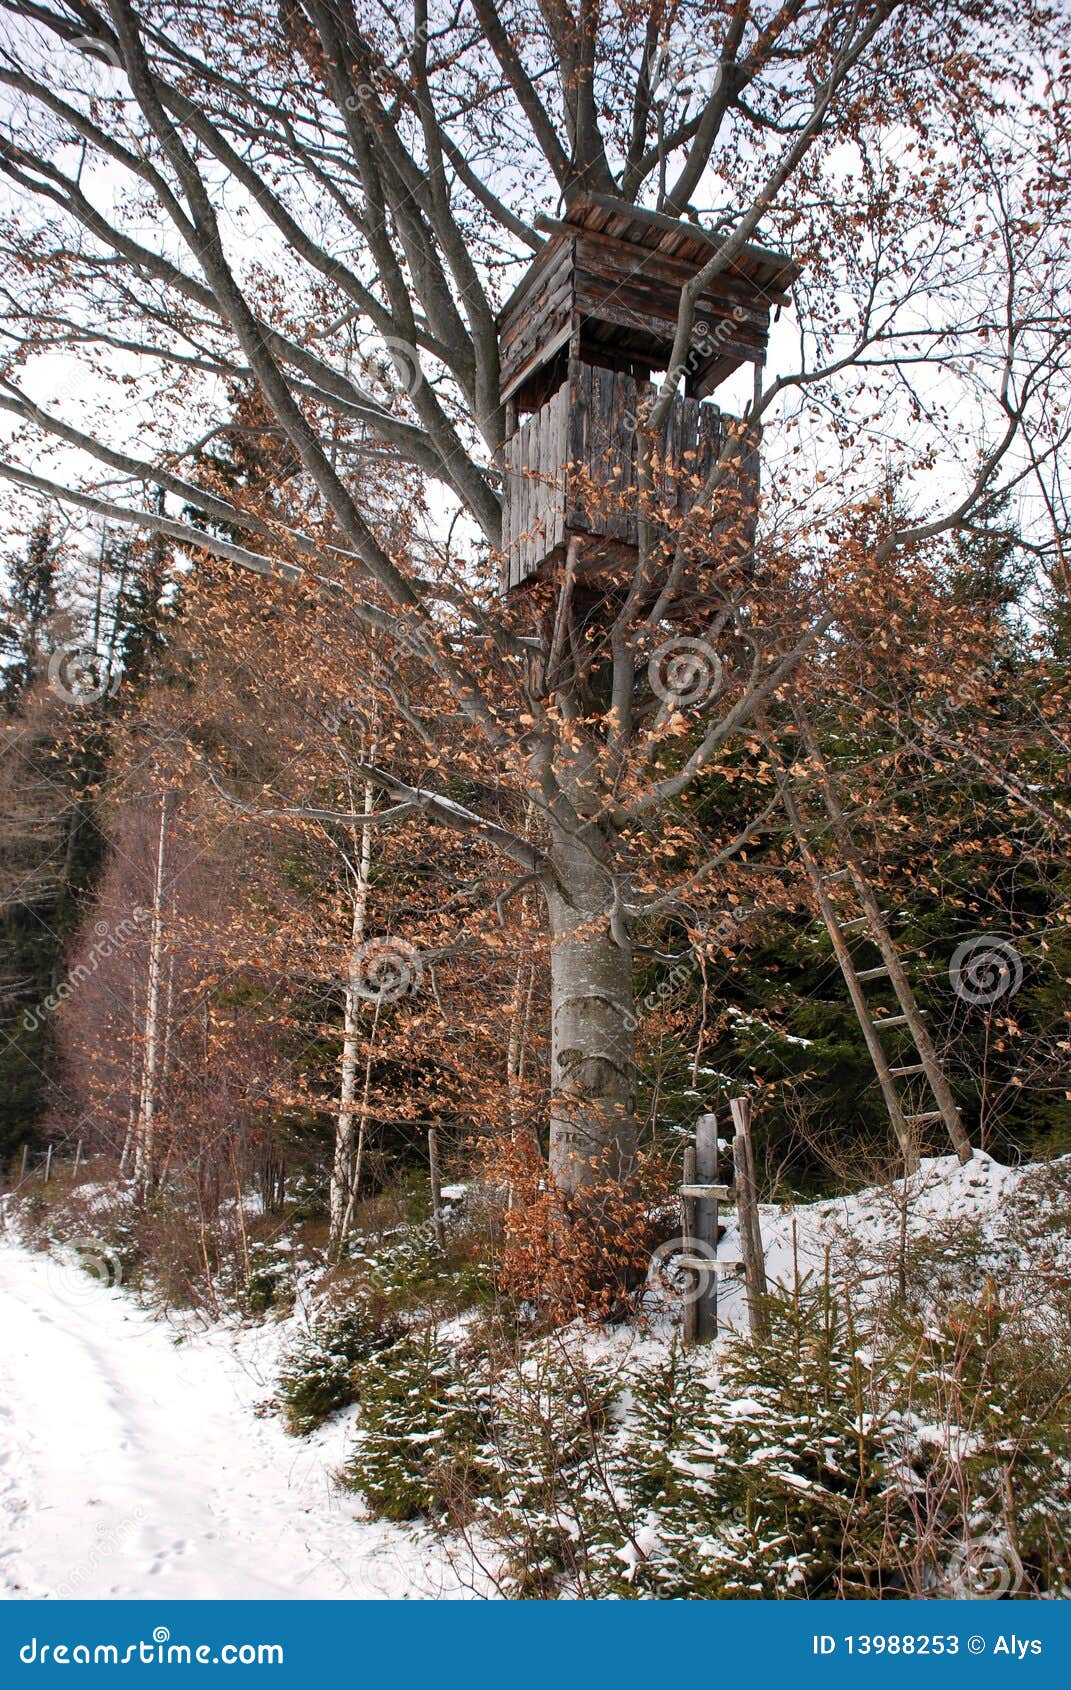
[{"x": 132, "y": 1464}]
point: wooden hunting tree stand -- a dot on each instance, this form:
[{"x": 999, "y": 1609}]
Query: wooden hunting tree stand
[
  {"x": 592, "y": 491},
  {"x": 580, "y": 339}
]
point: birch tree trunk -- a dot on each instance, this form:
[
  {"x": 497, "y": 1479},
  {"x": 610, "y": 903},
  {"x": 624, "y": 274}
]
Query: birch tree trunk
[
  {"x": 520, "y": 1012},
  {"x": 342, "y": 1168},
  {"x": 144, "y": 1137},
  {"x": 362, "y": 1120},
  {"x": 136, "y": 1055}
]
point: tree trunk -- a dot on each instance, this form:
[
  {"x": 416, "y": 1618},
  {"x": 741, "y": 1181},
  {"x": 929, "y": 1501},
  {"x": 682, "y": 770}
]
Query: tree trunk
[
  {"x": 145, "y": 1137},
  {"x": 126, "y": 1155},
  {"x": 342, "y": 1170},
  {"x": 362, "y": 1127},
  {"x": 519, "y": 1015},
  {"x": 593, "y": 1083}
]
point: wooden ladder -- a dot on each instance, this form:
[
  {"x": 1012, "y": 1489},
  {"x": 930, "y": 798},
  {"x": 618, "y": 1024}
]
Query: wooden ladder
[
  {"x": 870, "y": 923},
  {"x": 700, "y": 1195}
]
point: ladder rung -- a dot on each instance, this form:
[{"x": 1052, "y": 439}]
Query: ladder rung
[
  {"x": 856, "y": 921},
  {"x": 891, "y": 1021},
  {"x": 706, "y": 1264},
  {"x": 714, "y": 1193},
  {"x": 927, "y": 1115},
  {"x": 871, "y": 973},
  {"x": 905, "y": 1073},
  {"x": 838, "y": 874}
]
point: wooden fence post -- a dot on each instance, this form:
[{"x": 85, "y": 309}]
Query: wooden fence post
[
  {"x": 78, "y": 1157},
  {"x": 706, "y": 1226},
  {"x": 436, "y": 1188},
  {"x": 48, "y": 1164},
  {"x": 22, "y": 1170},
  {"x": 747, "y": 1210},
  {"x": 688, "y": 1237}
]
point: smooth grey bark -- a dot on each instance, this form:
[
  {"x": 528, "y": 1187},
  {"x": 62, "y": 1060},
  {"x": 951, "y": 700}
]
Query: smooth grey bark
[{"x": 593, "y": 1085}]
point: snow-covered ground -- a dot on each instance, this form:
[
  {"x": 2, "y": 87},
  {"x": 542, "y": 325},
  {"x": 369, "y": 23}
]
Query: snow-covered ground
[
  {"x": 133, "y": 1464},
  {"x": 951, "y": 1224},
  {"x": 1010, "y": 1220}
]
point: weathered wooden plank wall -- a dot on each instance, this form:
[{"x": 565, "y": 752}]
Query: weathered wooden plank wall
[
  {"x": 535, "y": 464},
  {"x": 571, "y": 466}
]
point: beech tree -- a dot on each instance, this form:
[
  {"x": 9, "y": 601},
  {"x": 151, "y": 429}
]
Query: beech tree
[{"x": 327, "y": 203}]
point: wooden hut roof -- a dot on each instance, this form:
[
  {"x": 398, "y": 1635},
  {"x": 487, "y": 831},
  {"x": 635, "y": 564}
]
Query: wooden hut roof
[{"x": 620, "y": 269}]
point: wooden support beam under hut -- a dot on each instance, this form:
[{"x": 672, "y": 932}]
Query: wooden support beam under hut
[{"x": 590, "y": 323}]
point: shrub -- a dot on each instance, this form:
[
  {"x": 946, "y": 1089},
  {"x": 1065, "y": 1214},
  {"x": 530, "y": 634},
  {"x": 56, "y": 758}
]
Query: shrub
[
  {"x": 506, "y": 1441},
  {"x": 320, "y": 1374},
  {"x": 774, "y": 1480},
  {"x": 587, "y": 1255},
  {"x": 270, "y": 1285},
  {"x": 911, "y": 1459},
  {"x": 102, "y": 1224},
  {"x": 544, "y": 1451},
  {"x": 419, "y": 1449},
  {"x": 987, "y": 1462},
  {"x": 413, "y": 1275}
]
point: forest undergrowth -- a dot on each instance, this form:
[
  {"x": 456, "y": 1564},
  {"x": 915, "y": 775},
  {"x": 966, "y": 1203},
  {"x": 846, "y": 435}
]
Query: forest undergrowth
[{"x": 901, "y": 1430}]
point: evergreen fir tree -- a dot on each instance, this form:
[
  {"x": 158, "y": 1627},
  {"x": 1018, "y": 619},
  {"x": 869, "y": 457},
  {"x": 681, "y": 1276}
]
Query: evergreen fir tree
[
  {"x": 140, "y": 612},
  {"x": 27, "y": 612}
]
